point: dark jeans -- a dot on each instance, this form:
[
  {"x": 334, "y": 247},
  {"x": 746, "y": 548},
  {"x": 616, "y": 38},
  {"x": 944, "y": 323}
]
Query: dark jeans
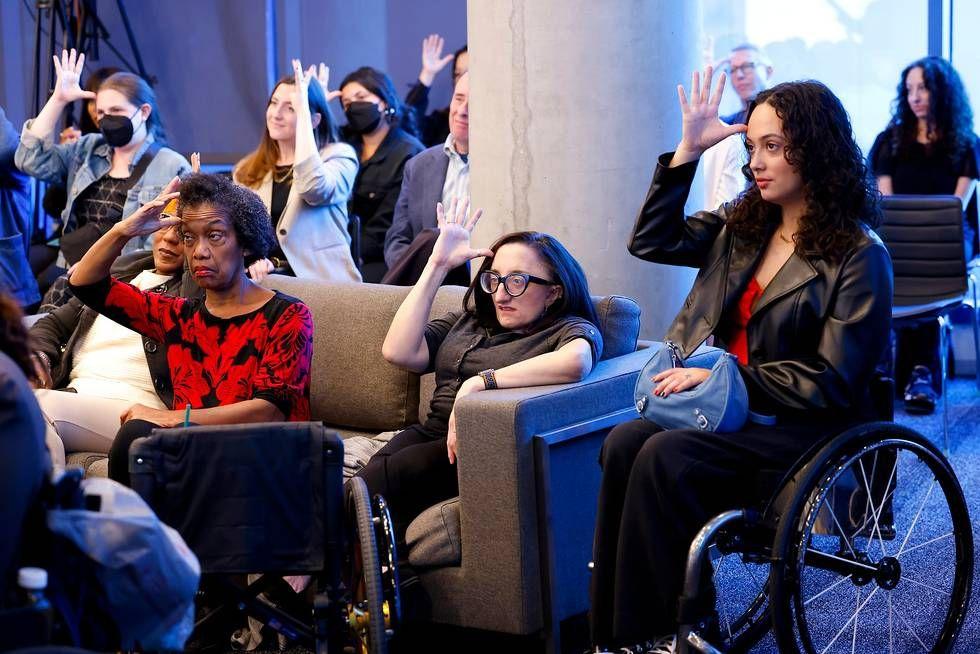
[
  {"x": 412, "y": 472},
  {"x": 119, "y": 452},
  {"x": 917, "y": 345},
  {"x": 656, "y": 493}
]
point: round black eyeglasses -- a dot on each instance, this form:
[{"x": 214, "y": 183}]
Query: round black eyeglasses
[{"x": 514, "y": 284}]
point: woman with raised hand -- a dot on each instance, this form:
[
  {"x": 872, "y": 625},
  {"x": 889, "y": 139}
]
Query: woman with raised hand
[
  {"x": 108, "y": 175},
  {"x": 526, "y": 320},
  {"x": 240, "y": 354},
  {"x": 382, "y": 130},
  {"x": 305, "y": 177},
  {"x": 794, "y": 282},
  {"x": 928, "y": 148}
]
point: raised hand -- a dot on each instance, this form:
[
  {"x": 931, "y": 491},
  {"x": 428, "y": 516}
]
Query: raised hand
[
  {"x": 301, "y": 87},
  {"x": 150, "y": 217},
  {"x": 452, "y": 248},
  {"x": 433, "y": 60},
  {"x": 700, "y": 126},
  {"x": 195, "y": 162},
  {"x": 69, "y": 72},
  {"x": 323, "y": 77}
]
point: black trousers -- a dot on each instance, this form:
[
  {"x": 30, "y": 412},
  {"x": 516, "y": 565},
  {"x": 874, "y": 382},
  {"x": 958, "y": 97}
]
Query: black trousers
[
  {"x": 917, "y": 345},
  {"x": 412, "y": 472},
  {"x": 658, "y": 489},
  {"x": 119, "y": 452}
]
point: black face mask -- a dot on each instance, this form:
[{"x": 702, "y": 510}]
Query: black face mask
[
  {"x": 363, "y": 117},
  {"x": 117, "y": 130}
]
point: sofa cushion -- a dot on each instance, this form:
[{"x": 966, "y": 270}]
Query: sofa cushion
[
  {"x": 433, "y": 537},
  {"x": 352, "y": 385},
  {"x": 94, "y": 464},
  {"x": 619, "y": 324}
]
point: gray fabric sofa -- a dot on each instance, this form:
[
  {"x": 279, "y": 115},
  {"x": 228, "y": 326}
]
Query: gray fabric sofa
[{"x": 509, "y": 554}]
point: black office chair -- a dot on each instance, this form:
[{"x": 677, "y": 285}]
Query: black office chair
[{"x": 924, "y": 235}]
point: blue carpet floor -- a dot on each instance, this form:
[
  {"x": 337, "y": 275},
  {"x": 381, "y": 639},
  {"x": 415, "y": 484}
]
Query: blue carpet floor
[{"x": 964, "y": 430}]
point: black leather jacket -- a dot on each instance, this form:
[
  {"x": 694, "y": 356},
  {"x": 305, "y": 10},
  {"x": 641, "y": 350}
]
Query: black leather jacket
[
  {"x": 57, "y": 333},
  {"x": 818, "y": 330}
]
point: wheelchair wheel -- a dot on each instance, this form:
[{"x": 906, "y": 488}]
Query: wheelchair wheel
[
  {"x": 365, "y": 613},
  {"x": 875, "y": 551},
  {"x": 384, "y": 535},
  {"x": 739, "y": 577}
]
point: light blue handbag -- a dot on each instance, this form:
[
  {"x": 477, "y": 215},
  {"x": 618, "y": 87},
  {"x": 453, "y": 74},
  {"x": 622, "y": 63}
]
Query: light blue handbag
[{"x": 719, "y": 404}]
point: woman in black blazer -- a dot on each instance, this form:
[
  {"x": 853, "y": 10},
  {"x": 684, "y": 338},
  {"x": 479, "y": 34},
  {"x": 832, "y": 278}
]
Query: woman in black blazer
[{"x": 792, "y": 280}]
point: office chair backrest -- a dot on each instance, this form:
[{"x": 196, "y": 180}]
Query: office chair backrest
[{"x": 924, "y": 234}]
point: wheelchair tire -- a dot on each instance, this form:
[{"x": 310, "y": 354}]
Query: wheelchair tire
[
  {"x": 828, "y": 564},
  {"x": 384, "y": 534},
  {"x": 364, "y": 573}
]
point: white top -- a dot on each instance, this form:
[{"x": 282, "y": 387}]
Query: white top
[
  {"x": 722, "y": 166},
  {"x": 457, "y": 184},
  {"x": 109, "y": 360}
]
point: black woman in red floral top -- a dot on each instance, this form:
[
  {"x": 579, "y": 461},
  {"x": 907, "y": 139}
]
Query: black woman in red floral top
[{"x": 241, "y": 354}]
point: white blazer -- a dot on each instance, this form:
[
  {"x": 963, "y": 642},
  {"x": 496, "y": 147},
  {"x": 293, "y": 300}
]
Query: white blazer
[{"x": 312, "y": 230}]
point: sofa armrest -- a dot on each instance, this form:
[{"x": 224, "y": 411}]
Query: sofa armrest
[{"x": 497, "y": 485}]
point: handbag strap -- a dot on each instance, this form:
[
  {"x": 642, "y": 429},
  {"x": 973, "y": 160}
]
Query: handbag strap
[{"x": 145, "y": 161}]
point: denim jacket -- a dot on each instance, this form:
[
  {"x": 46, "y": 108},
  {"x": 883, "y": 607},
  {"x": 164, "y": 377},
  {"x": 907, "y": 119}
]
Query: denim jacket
[
  {"x": 16, "y": 276},
  {"x": 77, "y": 165}
]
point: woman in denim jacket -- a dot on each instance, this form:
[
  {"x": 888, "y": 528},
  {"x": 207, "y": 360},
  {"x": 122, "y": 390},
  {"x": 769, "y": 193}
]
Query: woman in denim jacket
[{"x": 97, "y": 168}]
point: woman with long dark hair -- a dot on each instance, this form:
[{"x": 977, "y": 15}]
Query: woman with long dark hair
[
  {"x": 526, "y": 320},
  {"x": 382, "y": 130},
  {"x": 794, "y": 282},
  {"x": 305, "y": 177},
  {"x": 928, "y": 148}
]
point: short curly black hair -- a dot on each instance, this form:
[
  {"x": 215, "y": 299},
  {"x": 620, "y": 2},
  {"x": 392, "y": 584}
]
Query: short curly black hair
[{"x": 244, "y": 208}]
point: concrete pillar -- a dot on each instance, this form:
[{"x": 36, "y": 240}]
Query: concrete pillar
[{"x": 571, "y": 103}]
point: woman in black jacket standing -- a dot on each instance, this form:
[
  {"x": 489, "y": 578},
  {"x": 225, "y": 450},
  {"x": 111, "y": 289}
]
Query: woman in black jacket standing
[{"x": 793, "y": 281}]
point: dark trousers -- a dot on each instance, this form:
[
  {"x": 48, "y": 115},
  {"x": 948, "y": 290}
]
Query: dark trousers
[
  {"x": 412, "y": 472},
  {"x": 917, "y": 345},
  {"x": 119, "y": 452},
  {"x": 655, "y": 494}
]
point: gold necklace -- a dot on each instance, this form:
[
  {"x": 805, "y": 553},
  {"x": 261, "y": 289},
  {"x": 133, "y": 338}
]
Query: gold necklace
[
  {"x": 783, "y": 238},
  {"x": 279, "y": 179}
]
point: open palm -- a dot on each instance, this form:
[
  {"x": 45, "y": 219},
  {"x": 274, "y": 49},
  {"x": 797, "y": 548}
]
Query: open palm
[
  {"x": 452, "y": 248},
  {"x": 69, "y": 73},
  {"x": 701, "y": 127}
]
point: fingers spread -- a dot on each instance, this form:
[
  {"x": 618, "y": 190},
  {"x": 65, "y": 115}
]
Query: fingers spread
[
  {"x": 474, "y": 219},
  {"x": 719, "y": 90}
]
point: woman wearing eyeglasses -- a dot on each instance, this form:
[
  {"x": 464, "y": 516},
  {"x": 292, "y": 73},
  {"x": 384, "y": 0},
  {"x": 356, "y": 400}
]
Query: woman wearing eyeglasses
[{"x": 526, "y": 320}]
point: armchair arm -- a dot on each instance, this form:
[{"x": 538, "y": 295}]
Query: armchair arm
[{"x": 497, "y": 485}]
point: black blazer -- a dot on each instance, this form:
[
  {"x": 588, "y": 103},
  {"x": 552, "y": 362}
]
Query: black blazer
[
  {"x": 57, "y": 333},
  {"x": 818, "y": 330}
]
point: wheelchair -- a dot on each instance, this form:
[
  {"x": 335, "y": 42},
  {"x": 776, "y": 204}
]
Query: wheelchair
[
  {"x": 866, "y": 546},
  {"x": 270, "y": 499}
]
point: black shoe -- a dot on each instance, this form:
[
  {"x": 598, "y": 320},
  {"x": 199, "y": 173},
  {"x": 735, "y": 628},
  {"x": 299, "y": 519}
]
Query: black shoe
[{"x": 920, "y": 399}]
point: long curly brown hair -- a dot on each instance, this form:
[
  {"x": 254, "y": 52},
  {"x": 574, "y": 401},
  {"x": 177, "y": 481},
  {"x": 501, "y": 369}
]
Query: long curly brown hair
[
  {"x": 839, "y": 191},
  {"x": 13, "y": 335}
]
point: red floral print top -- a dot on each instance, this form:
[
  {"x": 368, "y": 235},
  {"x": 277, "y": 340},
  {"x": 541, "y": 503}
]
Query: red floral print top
[{"x": 265, "y": 354}]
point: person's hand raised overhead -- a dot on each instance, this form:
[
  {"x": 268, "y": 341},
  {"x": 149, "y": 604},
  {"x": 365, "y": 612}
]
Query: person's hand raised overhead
[
  {"x": 701, "y": 127},
  {"x": 69, "y": 73},
  {"x": 150, "y": 217},
  {"x": 433, "y": 60},
  {"x": 452, "y": 248}
]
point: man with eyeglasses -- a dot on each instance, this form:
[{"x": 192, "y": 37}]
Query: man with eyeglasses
[{"x": 749, "y": 70}]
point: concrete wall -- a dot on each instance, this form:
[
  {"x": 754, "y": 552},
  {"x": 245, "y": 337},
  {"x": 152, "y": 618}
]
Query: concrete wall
[{"x": 571, "y": 103}]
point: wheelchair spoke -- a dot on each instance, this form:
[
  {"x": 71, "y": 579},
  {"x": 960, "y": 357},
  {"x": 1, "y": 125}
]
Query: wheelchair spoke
[
  {"x": 915, "y": 520},
  {"x": 857, "y": 612},
  {"x": 850, "y": 620},
  {"x": 919, "y": 583},
  {"x": 884, "y": 501},
  {"x": 828, "y": 589},
  {"x": 929, "y": 542},
  {"x": 874, "y": 513},
  {"x": 843, "y": 532},
  {"x": 911, "y": 630},
  {"x": 891, "y": 628}
]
